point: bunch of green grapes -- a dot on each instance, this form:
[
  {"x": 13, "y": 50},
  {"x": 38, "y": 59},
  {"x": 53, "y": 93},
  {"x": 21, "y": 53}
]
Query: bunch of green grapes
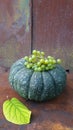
[{"x": 38, "y": 62}]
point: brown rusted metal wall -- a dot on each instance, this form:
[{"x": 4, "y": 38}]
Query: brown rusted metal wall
[
  {"x": 53, "y": 29},
  {"x": 15, "y": 31}
]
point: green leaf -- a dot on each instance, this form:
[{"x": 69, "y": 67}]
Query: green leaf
[{"x": 16, "y": 112}]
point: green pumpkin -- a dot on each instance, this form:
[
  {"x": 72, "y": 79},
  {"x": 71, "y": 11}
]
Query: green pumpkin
[{"x": 38, "y": 86}]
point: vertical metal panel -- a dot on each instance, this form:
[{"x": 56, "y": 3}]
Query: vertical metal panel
[
  {"x": 53, "y": 29},
  {"x": 15, "y": 30}
]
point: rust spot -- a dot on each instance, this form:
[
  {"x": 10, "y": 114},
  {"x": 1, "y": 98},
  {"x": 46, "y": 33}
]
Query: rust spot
[
  {"x": 58, "y": 126},
  {"x": 21, "y": 31}
]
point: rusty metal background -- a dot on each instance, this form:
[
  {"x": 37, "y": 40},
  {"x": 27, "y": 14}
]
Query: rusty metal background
[
  {"x": 56, "y": 114},
  {"x": 15, "y": 31},
  {"x": 30, "y": 24},
  {"x": 53, "y": 29}
]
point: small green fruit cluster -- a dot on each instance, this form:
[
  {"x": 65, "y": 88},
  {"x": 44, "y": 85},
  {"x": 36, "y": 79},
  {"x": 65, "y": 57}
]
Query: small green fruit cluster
[{"x": 38, "y": 62}]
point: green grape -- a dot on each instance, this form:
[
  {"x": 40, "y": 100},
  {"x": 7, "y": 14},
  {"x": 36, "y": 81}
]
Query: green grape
[
  {"x": 51, "y": 61},
  {"x": 26, "y": 57},
  {"x": 34, "y": 52},
  {"x": 28, "y": 66},
  {"x": 49, "y": 65},
  {"x": 42, "y": 53},
  {"x": 39, "y": 69},
  {"x": 54, "y": 61},
  {"x": 49, "y": 57},
  {"x": 33, "y": 57},
  {"x": 26, "y": 63},
  {"x": 47, "y": 68},
  {"x": 38, "y": 63},
  {"x": 58, "y": 61},
  {"x": 31, "y": 65},
  {"x": 38, "y": 53},
  {"x": 46, "y": 61},
  {"x": 43, "y": 66},
  {"x": 35, "y": 69},
  {"x": 34, "y": 66},
  {"x": 30, "y": 59},
  {"x": 42, "y": 60}
]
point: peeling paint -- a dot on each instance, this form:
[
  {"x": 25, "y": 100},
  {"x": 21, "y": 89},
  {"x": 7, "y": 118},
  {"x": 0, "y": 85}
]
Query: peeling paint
[
  {"x": 25, "y": 11},
  {"x": 15, "y": 31},
  {"x": 18, "y": 9}
]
